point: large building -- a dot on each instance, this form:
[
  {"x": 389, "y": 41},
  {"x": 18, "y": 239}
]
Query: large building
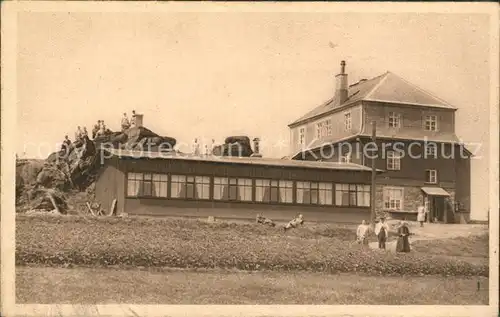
[
  {"x": 174, "y": 184},
  {"x": 423, "y": 159}
]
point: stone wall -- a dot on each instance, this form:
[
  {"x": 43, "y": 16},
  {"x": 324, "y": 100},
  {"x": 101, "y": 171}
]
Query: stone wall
[{"x": 413, "y": 197}]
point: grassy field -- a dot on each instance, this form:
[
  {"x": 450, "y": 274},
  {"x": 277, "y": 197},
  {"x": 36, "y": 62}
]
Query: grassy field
[
  {"x": 195, "y": 244},
  {"x": 110, "y": 286},
  {"x": 474, "y": 246},
  {"x": 179, "y": 261}
]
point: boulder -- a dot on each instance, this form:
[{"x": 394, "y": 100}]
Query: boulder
[
  {"x": 51, "y": 177},
  {"x": 234, "y": 146}
]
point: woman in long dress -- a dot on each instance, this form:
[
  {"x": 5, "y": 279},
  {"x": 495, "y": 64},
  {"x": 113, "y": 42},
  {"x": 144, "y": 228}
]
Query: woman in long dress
[{"x": 403, "y": 244}]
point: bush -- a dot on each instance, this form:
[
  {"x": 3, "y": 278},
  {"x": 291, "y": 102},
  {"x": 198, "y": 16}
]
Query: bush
[{"x": 196, "y": 244}]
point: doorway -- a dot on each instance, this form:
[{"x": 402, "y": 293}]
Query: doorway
[{"x": 436, "y": 209}]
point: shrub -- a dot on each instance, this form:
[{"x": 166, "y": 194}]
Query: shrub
[{"x": 197, "y": 244}]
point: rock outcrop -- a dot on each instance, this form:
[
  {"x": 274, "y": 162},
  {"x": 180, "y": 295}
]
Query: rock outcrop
[
  {"x": 75, "y": 167},
  {"x": 234, "y": 146}
]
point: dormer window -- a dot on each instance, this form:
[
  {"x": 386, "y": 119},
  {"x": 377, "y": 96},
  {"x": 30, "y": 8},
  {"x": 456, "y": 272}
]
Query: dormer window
[
  {"x": 431, "y": 123},
  {"x": 394, "y": 120},
  {"x": 324, "y": 128},
  {"x": 302, "y": 136},
  {"x": 347, "y": 121}
]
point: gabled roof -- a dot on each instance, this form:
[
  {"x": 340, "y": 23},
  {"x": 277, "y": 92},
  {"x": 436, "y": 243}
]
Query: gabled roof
[{"x": 388, "y": 88}]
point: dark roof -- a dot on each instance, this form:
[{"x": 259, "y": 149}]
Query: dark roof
[
  {"x": 239, "y": 160},
  {"x": 438, "y": 137},
  {"x": 388, "y": 88}
]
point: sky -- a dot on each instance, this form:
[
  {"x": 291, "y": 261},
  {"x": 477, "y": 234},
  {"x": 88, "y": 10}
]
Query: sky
[{"x": 211, "y": 75}]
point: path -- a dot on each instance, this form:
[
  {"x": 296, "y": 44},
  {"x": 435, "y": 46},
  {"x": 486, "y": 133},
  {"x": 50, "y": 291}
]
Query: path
[{"x": 434, "y": 231}]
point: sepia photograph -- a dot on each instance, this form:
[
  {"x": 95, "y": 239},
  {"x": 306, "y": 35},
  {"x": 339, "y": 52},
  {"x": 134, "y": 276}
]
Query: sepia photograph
[{"x": 189, "y": 154}]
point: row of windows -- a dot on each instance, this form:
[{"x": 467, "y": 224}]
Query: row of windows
[
  {"x": 243, "y": 189},
  {"x": 394, "y": 164},
  {"x": 430, "y": 121},
  {"x": 324, "y": 128}
]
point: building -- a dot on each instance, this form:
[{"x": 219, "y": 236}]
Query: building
[
  {"x": 423, "y": 159},
  {"x": 174, "y": 184}
]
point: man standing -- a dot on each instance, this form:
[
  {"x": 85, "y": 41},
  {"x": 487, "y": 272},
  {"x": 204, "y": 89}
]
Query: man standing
[
  {"x": 133, "y": 119},
  {"x": 125, "y": 122},
  {"x": 95, "y": 130},
  {"x": 85, "y": 133},
  {"x": 78, "y": 133},
  {"x": 382, "y": 231}
]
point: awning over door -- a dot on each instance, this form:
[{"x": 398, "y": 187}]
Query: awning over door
[{"x": 435, "y": 191}]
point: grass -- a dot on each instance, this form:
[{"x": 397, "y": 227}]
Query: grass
[
  {"x": 297, "y": 265},
  {"x": 110, "y": 286},
  {"x": 197, "y": 244},
  {"x": 474, "y": 246}
]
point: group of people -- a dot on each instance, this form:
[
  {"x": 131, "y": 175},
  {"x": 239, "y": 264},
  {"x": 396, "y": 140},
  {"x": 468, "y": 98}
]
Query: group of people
[
  {"x": 381, "y": 230},
  {"x": 126, "y": 124},
  {"x": 99, "y": 129}
]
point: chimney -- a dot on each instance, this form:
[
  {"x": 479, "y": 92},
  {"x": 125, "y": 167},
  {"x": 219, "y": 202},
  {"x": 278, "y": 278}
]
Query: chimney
[
  {"x": 138, "y": 120},
  {"x": 342, "y": 85},
  {"x": 256, "y": 150}
]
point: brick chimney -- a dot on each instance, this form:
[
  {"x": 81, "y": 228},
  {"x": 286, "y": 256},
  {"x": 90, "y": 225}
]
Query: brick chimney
[
  {"x": 341, "y": 86},
  {"x": 256, "y": 149},
  {"x": 139, "y": 120}
]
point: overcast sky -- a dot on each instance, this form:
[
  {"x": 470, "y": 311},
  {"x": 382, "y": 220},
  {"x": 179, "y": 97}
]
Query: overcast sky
[{"x": 211, "y": 75}]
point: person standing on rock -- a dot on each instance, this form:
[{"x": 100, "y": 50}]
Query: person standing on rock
[
  {"x": 78, "y": 133},
  {"x": 382, "y": 231},
  {"x": 403, "y": 244},
  {"x": 125, "y": 122},
  {"x": 102, "y": 128},
  {"x": 66, "y": 145},
  {"x": 95, "y": 130},
  {"x": 133, "y": 119},
  {"x": 85, "y": 133},
  {"x": 67, "y": 141}
]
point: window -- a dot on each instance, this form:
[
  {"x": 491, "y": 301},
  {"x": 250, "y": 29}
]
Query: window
[
  {"x": 190, "y": 187},
  {"x": 273, "y": 191},
  {"x": 352, "y": 195},
  {"x": 393, "y": 198},
  {"x": 328, "y": 126},
  {"x": 302, "y": 136},
  {"x": 431, "y": 123},
  {"x": 314, "y": 193},
  {"x": 431, "y": 176},
  {"x": 234, "y": 189},
  {"x": 147, "y": 185},
  {"x": 394, "y": 120},
  {"x": 430, "y": 150},
  {"x": 347, "y": 121},
  {"x": 393, "y": 161},
  {"x": 323, "y": 128},
  {"x": 345, "y": 158}
]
